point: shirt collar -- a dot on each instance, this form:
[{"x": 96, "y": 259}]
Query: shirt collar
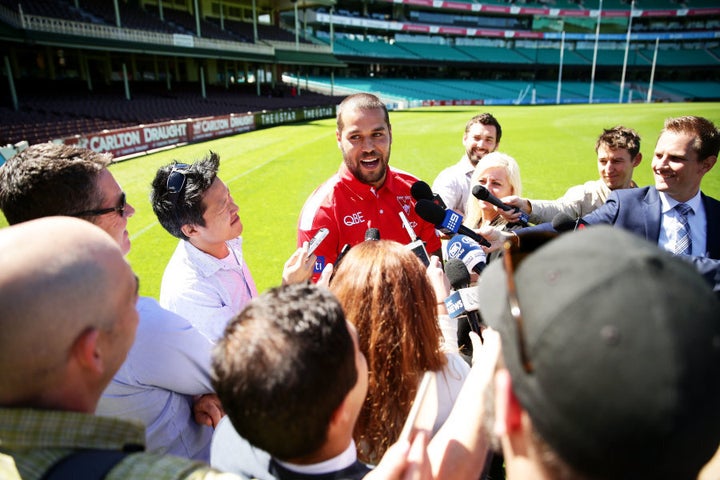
[
  {"x": 363, "y": 189},
  {"x": 467, "y": 167},
  {"x": 344, "y": 460},
  {"x": 205, "y": 263},
  {"x": 669, "y": 203}
]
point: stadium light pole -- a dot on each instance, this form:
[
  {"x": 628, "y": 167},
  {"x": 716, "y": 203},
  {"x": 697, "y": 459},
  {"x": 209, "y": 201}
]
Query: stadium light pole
[
  {"x": 297, "y": 26},
  {"x": 118, "y": 23},
  {"x": 11, "y": 84},
  {"x": 197, "y": 18},
  {"x": 652, "y": 70},
  {"x": 255, "y": 19},
  {"x": 627, "y": 50},
  {"x": 595, "y": 50},
  {"x": 562, "y": 56}
]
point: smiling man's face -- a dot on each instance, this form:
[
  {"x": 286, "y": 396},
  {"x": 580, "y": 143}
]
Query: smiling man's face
[
  {"x": 676, "y": 166},
  {"x": 365, "y": 144}
]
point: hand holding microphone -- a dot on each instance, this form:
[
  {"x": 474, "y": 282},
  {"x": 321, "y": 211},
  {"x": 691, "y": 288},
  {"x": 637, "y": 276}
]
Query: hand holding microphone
[
  {"x": 482, "y": 193},
  {"x": 562, "y": 222}
]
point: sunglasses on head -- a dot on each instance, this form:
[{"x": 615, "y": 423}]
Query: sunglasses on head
[
  {"x": 513, "y": 255},
  {"x": 176, "y": 179},
  {"x": 102, "y": 211}
]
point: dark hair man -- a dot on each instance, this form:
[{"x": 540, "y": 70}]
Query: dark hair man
[
  {"x": 618, "y": 153},
  {"x": 366, "y": 192},
  {"x": 207, "y": 280},
  {"x": 482, "y": 136}
]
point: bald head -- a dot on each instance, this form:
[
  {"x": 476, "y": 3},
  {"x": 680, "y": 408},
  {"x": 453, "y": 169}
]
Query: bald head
[{"x": 61, "y": 278}]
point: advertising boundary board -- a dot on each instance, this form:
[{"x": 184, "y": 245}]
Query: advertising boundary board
[{"x": 124, "y": 143}]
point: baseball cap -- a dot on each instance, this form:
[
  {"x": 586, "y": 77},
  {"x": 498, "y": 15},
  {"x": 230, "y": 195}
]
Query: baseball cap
[{"x": 623, "y": 342}]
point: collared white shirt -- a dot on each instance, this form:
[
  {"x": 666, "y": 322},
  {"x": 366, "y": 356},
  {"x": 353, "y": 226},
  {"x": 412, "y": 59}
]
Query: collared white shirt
[
  {"x": 697, "y": 220},
  {"x": 453, "y": 184},
  {"x": 168, "y": 364},
  {"x": 206, "y": 290},
  {"x": 340, "y": 462}
]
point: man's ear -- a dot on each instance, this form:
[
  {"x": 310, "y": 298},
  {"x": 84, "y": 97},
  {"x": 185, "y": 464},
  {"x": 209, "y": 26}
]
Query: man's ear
[
  {"x": 86, "y": 350},
  {"x": 708, "y": 163},
  {"x": 189, "y": 230},
  {"x": 508, "y": 411},
  {"x": 636, "y": 161},
  {"x": 338, "y": 137}
]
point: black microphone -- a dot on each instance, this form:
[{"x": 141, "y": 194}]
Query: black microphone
[
  {"x": 482, "y": 193},
  {"x": 372, "y": 234},
  {"x": 457, "y": 273},
  {"x": 422, "y": 191},
  {"x": 562, "y": 222},
  {"x": 446, "y": 220}
]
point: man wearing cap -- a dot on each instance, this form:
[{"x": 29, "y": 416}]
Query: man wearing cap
[{"x": 610, "y": 359}]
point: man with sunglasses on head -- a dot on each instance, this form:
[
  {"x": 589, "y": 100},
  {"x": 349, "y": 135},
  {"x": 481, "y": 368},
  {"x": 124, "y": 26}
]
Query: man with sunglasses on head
[
  {"x": 167, "y": 370},
  {"x": 207, "y": 279}
]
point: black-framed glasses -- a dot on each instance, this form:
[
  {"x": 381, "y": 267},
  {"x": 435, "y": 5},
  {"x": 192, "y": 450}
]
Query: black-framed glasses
[
  {"x": 513, "y": 255},
  {"x": 102, "y": 211},
  {"x": 176, "y": 179}
]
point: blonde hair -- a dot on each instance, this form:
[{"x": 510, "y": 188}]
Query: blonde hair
[{"x": 473, "y": 211}]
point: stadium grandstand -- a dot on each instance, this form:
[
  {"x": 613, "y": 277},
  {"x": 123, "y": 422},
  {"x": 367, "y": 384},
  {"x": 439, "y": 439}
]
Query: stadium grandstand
[{"x": 73, "y": 68}]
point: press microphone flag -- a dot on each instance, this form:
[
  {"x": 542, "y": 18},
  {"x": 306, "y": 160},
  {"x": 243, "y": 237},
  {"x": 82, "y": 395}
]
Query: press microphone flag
[
  {"x": 468, "y": 250},
  {"x": 462, "y": 301}
]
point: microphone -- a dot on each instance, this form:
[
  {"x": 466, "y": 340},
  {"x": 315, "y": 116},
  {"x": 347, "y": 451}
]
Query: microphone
[
  {"x": 468, "y": 250},
  {"x": 449, "y": 221},
  {"x": 562, "y": 222},
  {"x": 482, "y": 193},
  {"x": 372, "y": 234},
  {"x": 416, "y": 245},
  {"x": 421, "y": 191},
  {"x": 463, "y": 302}
]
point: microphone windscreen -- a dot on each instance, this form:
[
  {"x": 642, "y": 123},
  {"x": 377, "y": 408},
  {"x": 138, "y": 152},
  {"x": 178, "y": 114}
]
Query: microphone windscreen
[
  {"x": 562, "y": 222},
  {"x": 430, "y": 212},
  {"x": 421, "y": 190},
  {"x": 457, "y": 273},
  {"x": 480, "y": 192},
  {"x": 372, "y": 234}
]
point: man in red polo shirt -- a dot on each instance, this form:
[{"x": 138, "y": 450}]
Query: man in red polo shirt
[{"x": 366, "y": 192}]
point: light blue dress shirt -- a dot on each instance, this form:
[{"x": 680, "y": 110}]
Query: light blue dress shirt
[{"x": 168, "y": 364}]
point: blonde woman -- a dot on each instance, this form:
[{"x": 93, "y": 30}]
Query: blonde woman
[{"x": 500, "y": 174}]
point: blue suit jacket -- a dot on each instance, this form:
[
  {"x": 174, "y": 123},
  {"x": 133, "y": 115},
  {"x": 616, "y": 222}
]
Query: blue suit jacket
[{"x": 639, "y": 211}]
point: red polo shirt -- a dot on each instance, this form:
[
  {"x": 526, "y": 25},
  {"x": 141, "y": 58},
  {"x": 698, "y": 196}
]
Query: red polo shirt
[{"x": 348, "y": 207}]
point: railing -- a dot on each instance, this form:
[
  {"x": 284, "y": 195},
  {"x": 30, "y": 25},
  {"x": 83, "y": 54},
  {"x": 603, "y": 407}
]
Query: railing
[
  {"x": 305, "y": 47},
  {"x": 82, "y": 29}
]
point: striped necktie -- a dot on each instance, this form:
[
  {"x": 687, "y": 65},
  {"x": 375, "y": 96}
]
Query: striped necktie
[{"x": 683, "y": 243}]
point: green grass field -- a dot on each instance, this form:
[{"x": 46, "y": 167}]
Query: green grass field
[{"x": 271, "y": 172}]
